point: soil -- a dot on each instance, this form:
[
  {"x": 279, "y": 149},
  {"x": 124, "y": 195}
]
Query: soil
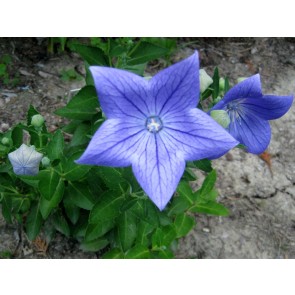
[{"x": 260, "y": 192}]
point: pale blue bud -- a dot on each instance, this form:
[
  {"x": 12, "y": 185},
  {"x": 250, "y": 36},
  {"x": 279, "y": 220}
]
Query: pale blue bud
[
  {"x": 221, "y": 117},
  {"x": 25, "y": 160},
  {"x": 205, "y": 80}
]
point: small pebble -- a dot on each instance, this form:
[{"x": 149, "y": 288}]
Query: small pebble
[
  {"x": 4, "y": 127},
  {"x": 206, "y": 230}
]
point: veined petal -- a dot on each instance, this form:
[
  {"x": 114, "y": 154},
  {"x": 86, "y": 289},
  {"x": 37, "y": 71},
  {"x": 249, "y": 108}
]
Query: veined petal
[
  {"x": 197, "y": 135},
  {"x": 251, "y": 87},
  {"x": 176, "y": 87},
  {"x": 251, "y": 131},
  {"x": 268, "y": 107},
  {"x": 158, "y": 169},
  {"x": 114, "y": 143},
  {"x": 121, "y": 94}
]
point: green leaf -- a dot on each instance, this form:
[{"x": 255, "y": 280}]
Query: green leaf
[
  {"x": 31, "y": 112},
  {"x": 33, "y": 222},
  {"x": 179, "y": 205},
  {"x": 80, "y": 195},
  {"x": 47, "y": 205},
  {"x": 183, "y": 224},
  {"x": 169, "y": 43},
  {"x": 188, "y": 175},
  {"x": 17, "y": 135},
  {"x": 61, "y": 224},
  {"x": 164, "y": 254},
  {"x": 94, "y": 246},
  {"x": 112, "y": 177},
  {"x": 126, "y": 230},
  {"x": 204, "y": 165},
  {"x": 72, "y": 126},
  {"x": 56, "y": 146},
  {"x": 208, "y": 184},
  {"x": 20, "y": 204},
  {"x": 97, "y": 230},
  {"x": 6, "y": 204},
  {"x": 2, "y": 69},
  {"x": 226, "y": 85},
  {"x": 128, "y": 175},
  {"x": 145, "y": 52},
  {"x": 30, "y": 180},
  {"x": 81, "y": 135},
  {"x": 108, "y": 207},
  {"x": 82, "y": 106},
  {"x": 114, "y": 254},
  {"x": 215, "y": 83},
  {"x": 143, "y": 232},
  {"x": 93, "y": 55},
  {"x": 48, "y": 182},
  {"x": 136, "y": 69},
  {"x": 185, "y": 191},
  {"x": 210, "y": 207},
  {"x": 72, "y": 211},
  {"x": 151, "y": 213},
  {"x": 164, "y": 219},
  {"x": 89, "y": 79},
  {"x": 163, "y": 237},
  {"x": 138, "y": 252},
  {"x": 73, "y": 171},
  {"x": 79, "y": 230}
]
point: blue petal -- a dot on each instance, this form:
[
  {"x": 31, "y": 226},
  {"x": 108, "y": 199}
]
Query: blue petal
[
  {"x": 158, "y": 170},
  {"x": 121, "y": 94},
  {"x": 114, "y": 143},
  {"x": 268, "y": 107},
  {"x": 176, "y": 87},
  {"x": 250, "y": 87},
  {"x": 197, "y": 136},
  {"x": 252, "y": 132}
]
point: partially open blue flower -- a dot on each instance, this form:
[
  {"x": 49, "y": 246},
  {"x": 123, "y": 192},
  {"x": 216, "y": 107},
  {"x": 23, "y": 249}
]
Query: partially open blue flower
[
  {"x": 154, "y": 126},
  {"x": 25, "y": 160},
  {"x": 249, "y": 111}
]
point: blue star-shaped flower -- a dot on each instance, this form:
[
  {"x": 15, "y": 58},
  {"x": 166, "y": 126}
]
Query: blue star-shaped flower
[
  {"x": 249, "y": 111},
  {"x": 25, "y": 160},
  {"x": 154, "y": 126}
]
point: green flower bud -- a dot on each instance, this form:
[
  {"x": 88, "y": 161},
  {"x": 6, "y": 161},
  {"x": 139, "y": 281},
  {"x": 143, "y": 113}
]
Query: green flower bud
[
  {"x": 221, "y": 84},
  {"x": 217, "y": 99},
  {"x": 45, "y": 162},
  {"x": 221, "y": 117},
  {"x": 37, "y": 120},
  {"x": 5, "y": 141},
  {"x": 205, "y": 80},
  {"x": 240, "y": 79}
]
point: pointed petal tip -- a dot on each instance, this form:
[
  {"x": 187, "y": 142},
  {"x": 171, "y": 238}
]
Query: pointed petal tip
[{"x": 160, "y": 205}]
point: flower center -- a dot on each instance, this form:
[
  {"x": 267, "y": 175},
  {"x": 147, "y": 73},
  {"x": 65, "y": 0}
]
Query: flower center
[
  {"x": 154, "y": 124},
  {"x": 233, "y": 106},
  {"x": 234, "y": 110}
]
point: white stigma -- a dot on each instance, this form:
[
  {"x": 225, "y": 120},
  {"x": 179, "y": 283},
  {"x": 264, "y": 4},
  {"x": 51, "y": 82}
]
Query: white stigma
[{"x": 154, "y": 124}]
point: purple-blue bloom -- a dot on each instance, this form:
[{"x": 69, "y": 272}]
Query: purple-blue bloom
[
  {"x": 249, "y": 111},
  {"x": 154, "y": 126}
]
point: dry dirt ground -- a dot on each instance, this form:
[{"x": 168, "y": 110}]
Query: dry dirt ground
[{"x": 261, "y": 197}]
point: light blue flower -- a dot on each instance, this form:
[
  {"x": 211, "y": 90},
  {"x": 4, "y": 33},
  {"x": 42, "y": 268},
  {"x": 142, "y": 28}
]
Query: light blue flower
[
  {"x": 154, "y": 126},
  {"x": 25, "y": 160}
]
